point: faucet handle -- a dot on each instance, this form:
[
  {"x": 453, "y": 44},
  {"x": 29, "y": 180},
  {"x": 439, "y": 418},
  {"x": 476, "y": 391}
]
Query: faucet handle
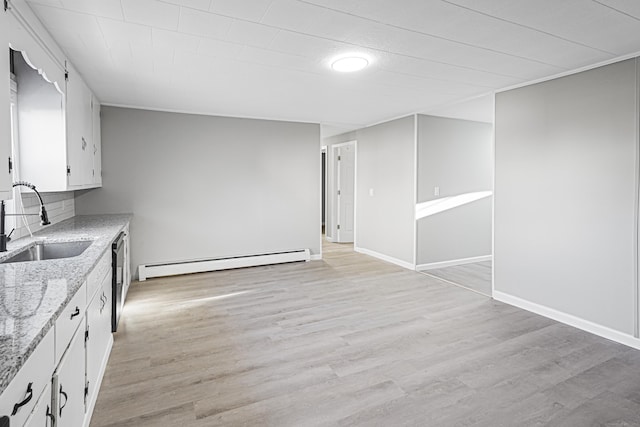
[{"x": 10, "y": 233}]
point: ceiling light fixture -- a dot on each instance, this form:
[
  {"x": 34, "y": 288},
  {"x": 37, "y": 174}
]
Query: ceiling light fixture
[{"x": 349, "y": 64}]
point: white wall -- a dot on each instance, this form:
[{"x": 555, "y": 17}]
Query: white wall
[
  {"x": 386, "y": 164},
  {"x": 204, "y": 187},
  {"x": 457, "y": 157},
  {"x": 566, "y": 154}
]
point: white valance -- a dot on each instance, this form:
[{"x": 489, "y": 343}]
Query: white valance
[{"x": 35, "y": 52}]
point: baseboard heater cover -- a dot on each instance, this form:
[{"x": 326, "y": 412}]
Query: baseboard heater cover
[{"x": 200, "y": 266}]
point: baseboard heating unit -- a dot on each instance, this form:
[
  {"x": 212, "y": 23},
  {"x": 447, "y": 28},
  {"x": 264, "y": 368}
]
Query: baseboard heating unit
[{"x": 200, "y": 266}]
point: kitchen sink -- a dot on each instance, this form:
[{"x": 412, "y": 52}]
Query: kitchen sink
[{"x": 49, "y": 250}]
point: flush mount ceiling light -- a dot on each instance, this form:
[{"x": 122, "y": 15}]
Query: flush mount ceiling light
[{"x": 349, "y": 64}]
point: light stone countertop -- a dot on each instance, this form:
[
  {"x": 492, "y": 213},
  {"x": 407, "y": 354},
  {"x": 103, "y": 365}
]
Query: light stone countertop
[{"x": 33, "y": 294}]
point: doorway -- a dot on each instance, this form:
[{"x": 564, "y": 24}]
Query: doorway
[{"x": 343, "y": 158}]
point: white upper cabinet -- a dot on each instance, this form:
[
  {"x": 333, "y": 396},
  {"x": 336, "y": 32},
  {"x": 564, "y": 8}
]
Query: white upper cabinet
[
  {"x": 57, "y": 114},
  {"x": 41, "y": 156},
  {"x": 80, "y": 141},
  {"x": 5, "y": 112},
  {"x": 97, "y": 142}
]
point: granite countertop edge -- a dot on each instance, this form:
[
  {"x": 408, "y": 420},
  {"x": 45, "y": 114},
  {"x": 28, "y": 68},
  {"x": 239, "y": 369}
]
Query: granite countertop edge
[{"x": 102, "y": 230}]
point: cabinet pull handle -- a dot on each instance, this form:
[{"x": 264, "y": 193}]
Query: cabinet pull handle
[
  {"x": 26, "y": 400},
  {"x": 84, "y": 143},
  {"x": 50, "y": 416},
  {"x": 62, "y": 393},
  {"x": 75, "y": 313}
]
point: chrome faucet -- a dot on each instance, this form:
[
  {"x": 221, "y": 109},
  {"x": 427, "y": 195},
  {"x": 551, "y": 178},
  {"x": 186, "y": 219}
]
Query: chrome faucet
[{"x": 44, "y": 218}]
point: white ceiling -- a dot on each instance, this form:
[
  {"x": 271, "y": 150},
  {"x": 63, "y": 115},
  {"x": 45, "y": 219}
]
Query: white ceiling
[{"x": 270, "y": 58}]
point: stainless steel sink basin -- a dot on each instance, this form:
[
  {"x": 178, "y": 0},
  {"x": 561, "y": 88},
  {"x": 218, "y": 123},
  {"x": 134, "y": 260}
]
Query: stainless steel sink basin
[{"x": 44, "y": 250}]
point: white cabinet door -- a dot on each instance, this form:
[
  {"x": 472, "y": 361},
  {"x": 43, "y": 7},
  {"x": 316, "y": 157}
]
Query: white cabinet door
[
  {"x": 79, "y": 131},
  {"x": 19, "y": 399},
  {"x": 5, "y": 114},
  {"x": 42, "y": 415},
  {"x": 98, "y": 337},
  {"x": 68, "y": 384},
  {"x": 97, "y": 142}
]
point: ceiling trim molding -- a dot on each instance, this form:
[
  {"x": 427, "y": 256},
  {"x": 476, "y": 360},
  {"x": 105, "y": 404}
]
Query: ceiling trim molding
[
  {"x": 571, "y": 72},
  {"x": 201, "y": 113}
]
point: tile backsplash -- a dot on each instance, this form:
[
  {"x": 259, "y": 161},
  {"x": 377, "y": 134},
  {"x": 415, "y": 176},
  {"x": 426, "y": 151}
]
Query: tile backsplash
[{"x": 60, "y": 206}]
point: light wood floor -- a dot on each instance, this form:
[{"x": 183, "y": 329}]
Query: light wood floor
[
  {"x": 353, "y": 341},
  {"x": 475, "y": 276}
]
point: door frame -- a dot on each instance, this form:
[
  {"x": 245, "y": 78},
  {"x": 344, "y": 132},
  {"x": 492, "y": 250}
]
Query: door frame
[{"x": 332, "y": 175}]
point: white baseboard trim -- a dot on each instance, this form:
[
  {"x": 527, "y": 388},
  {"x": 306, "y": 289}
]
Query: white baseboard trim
[
  {"x": 403, "y": 264},
  {"x": 453, "y": 262},
  {"x": 316, "y": 257},
  {"x": 329, "y": 239},
  {"x": 199, "y": 266},
  {"x": 568, "y": 319}
]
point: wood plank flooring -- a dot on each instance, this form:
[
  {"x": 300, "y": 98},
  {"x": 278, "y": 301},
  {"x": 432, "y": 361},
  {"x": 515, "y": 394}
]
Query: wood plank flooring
[
  {"x": 475, "y": 276},
  {"x": 353, "y": 341}
]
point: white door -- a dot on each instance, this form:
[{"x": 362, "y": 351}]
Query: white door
[{"x": 345, "y": 157}]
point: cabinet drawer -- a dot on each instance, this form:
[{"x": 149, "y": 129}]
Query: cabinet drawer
[
  {"x": 97, "y": 275},
  {"x": 42, "y": 415},
  {"x": 22, "y": 393},
  {"x": 69, "y": 320}
]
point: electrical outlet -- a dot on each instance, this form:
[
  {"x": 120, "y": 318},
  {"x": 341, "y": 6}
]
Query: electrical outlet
[{"x": 436, "y": 191}]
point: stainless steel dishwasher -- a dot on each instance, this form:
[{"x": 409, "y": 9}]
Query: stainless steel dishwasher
[{"x": 117, "y": 265}]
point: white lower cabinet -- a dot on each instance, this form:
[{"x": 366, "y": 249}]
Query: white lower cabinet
[
  {"x": 68, "y": 385},
  {"x": 99, "y": 339},
  {"x": 19, "y": 398},
  {"x": 42, "y": 415},
  {"x": 59, "y": 383}
]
